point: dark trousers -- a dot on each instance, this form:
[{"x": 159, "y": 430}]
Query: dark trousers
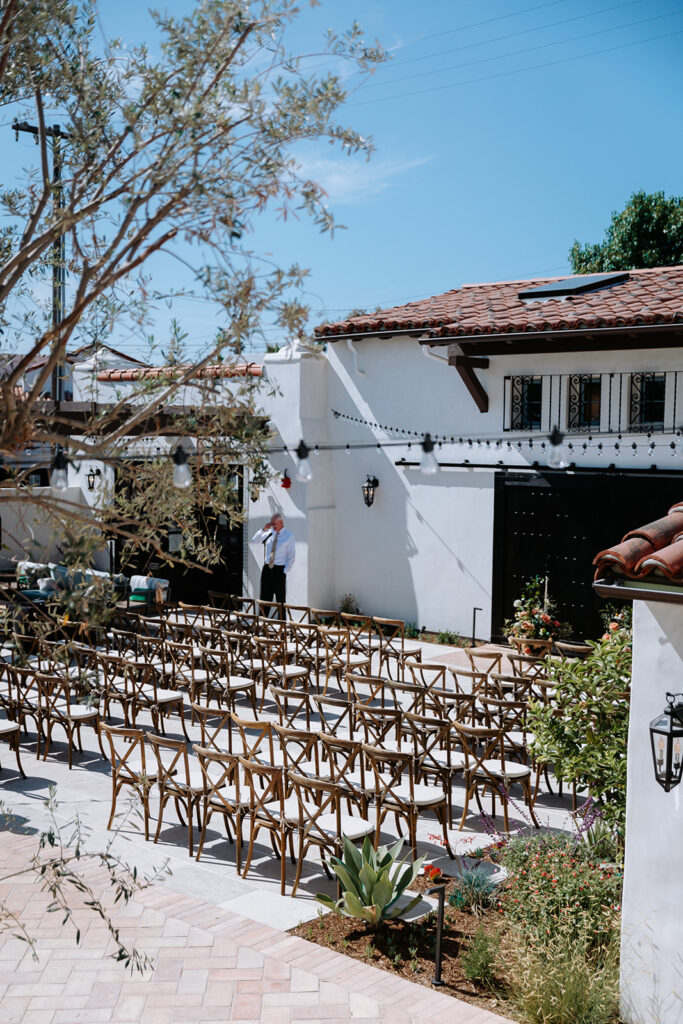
[{"x": 274, "y": 584}]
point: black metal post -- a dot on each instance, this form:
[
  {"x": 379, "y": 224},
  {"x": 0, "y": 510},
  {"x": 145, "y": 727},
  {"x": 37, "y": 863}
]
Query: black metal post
[
  {"x": 474, "y": 623},
  {"x": 441, "y": 890}
]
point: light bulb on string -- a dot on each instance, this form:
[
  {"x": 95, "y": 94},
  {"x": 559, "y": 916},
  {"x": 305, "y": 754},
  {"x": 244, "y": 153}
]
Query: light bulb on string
[
  {"x": 599, "y": 448},
  {"x": 558, "y": 457},
  {"x": 347, "y": 450},
  {"x": 428, "y": 463},
  {"x": 303, "y": 470},
  {"x": 182, "y": 474},
  {"x": 634, "y": 449},
  {"x": 59, "y": 478},
  {"x": 651, "y": 449},
  {"x": 316, "y": 449}
]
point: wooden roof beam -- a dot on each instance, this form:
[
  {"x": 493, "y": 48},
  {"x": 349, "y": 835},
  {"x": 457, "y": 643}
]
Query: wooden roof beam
[{"x": 466, "y": 365}]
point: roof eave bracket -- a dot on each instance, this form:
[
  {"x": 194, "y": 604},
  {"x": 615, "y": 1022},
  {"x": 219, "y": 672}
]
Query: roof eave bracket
[{"x": 466, "y": 365}]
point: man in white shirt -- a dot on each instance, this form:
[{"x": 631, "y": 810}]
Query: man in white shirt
[{"x": 279, "y": 559}]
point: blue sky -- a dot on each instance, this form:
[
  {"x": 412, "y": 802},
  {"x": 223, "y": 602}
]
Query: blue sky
[{"x": 503, "y": 131}]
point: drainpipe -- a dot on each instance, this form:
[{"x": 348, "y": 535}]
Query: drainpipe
[
  {"x": 352, "y": 348},
  {"x": 427, "y": 352}
]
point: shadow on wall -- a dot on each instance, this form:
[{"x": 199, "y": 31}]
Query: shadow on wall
[{"x": 642, "y": 964}]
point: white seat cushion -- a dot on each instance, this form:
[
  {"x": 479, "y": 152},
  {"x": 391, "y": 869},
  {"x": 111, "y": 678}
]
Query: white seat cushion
[
  {"x": 351, "y": 826},
  {"x": 513, "y": 770},
  {"x": 7, "y": 728}
]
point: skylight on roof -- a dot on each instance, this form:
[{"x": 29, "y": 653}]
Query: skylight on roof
[{"x": 572, "y": 286}]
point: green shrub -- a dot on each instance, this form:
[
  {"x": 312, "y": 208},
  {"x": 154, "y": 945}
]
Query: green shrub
[
  {"x": 584, "y": 734},
  {"x": 411, "y": 632},
  {"x": 447, "y": 636},
  {"x": 480, "y": 958},
  {"x": 561, "y": 983},
  {"x": 472, "y": 891},
  {"x": 554, "y": 888},
  {"x": 369, "y": 891}
]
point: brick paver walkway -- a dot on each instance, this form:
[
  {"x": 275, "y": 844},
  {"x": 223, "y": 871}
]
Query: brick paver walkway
[{"x": 209, "y": 965}]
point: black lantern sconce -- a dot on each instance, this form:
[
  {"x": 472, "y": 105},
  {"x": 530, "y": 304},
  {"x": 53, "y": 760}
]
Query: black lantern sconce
[
  {"x": 369, "y": 487},
  {"x": 666, "y": 737},
  {"x": 92, "y": 476}
]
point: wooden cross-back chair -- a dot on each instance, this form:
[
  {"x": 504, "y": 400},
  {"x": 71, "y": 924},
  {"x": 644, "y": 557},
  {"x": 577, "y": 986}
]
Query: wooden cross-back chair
[
  {"x": 342, "y": 762},
  {"x": 436, "y": 751},
  {"x": 215, "y": 726},
  {"x": 58, "y": 706},
  {"x": 339, "y": 658},
  {"x": 396, "y": 792},
  {"x": 293, "y": 707},
  {"x": 336, "y": 714},
  {"x": 221, "y": 683},
  {"x": 179, "y": 779},
  {"x": 486, "y": 768},
  {"x": 299, "y": 751},
  {"x": 483, "y": 659},
  {"x": 394, "y": 648},
  {"x": 265, "y": 798},
  {"x": 363, "y": 689},
  {"x": 321, "y": 821},
  {"x": 380, "y": 727},
  {"x": 256, "y": 738},
  {"x": 128, "y": 766},
  {"x": 221, "y": 795}
]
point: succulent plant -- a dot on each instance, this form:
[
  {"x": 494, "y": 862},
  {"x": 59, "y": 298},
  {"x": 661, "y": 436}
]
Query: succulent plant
[{"x": 369, "y": 890}]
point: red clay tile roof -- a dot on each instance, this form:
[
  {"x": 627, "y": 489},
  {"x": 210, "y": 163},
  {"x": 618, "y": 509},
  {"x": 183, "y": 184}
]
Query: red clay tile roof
[
  {"x": 156, "y": 372},
  {"x": 648, "y": 297},
  {"x": 655, "y": 549}
]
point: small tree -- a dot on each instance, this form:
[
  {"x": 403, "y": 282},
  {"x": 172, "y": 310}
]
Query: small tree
[
  {"x": 584, "y": 732},
  {"x": 648, "y": 232}
]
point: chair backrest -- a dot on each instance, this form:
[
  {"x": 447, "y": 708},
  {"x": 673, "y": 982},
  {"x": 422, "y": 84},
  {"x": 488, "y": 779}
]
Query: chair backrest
[
  {"x": 344, "y": 757},
  {"x": 480, "y": 744},
  {"x": 291, "y": 705},
  {"x": 321, "y": 617},
  {"x": 268, "y": 609},
  {"x": 306, "y": 639},
  {"x": 360, "y": 631},
  {"x": 127, "y": 751},
  {"x": 392, "y": 635},
  {"x": 428, "y": 674},
  {"x": 483, "y": 660},
  {"x": 393, "y": 773},
  {"x": 219, "y": 600},
  {"x": 258, "y": 746},
  {"x": 433, "y": 741},
  {"x": 527, "y": 665},
  {"x": 379, "y": 725},
  {"x": 317, "y": 800},
  {"x": 215, "y": 725},
  {"x": 336, "y": 646},
  {"x": 172, "y": 761},
  {"x": 335, "y": 714},
  {"x": 500, "y": 685},
  {"x": 406, "y": 696},
  {"x": 220, "y": 772},
  {"x": 298, "y": 613},
  {"x": 264, "y": 786},
  {"x": 365, "y": 689},
  {"x": 298, "y": 746}
]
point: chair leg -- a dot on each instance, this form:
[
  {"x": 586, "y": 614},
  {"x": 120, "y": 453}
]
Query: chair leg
[
  {"x": 114, "y": 793},
  {"x": 163, "y": 797}
]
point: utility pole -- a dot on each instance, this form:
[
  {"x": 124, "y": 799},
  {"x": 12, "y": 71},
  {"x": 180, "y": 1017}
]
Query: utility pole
[{"x": 59, "y": 245}]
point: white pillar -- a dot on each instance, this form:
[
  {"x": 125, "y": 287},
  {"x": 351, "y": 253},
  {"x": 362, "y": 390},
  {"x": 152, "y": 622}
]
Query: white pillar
[{"x": 652, "y": 916}]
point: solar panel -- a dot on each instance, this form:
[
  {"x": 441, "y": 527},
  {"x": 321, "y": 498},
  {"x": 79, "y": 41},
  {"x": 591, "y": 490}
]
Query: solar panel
[{"x": 572, "y": 285}]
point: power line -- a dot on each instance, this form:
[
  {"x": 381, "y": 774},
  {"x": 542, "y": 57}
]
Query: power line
[
  {"x": 506, "y": 36},
  {"x": 516, "y": 53},
  {"x": 516, "y": 71}
]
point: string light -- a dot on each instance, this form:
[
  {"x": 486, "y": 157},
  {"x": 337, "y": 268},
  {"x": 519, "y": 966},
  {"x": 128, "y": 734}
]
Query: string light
[
  {"x": 59, "y": 478},
  {"x": 182, "y": 474},
  {"x": 304, "y": 471},
  {"x": 428, "y": 463},
  {"x": 557, "y": 453}
]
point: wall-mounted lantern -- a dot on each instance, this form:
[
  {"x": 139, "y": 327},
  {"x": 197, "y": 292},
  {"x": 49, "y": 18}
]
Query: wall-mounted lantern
[
  {"x": 369, "y": 487},
  {"x": 92, "y": 476},
  {"x": 666, "y": 737}
]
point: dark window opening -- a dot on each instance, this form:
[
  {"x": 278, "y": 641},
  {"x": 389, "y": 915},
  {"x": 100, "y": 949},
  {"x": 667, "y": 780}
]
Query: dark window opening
[
  {"x": 648, "y": 395},
  {"x": 583, "y": 412},
  {"x": 527, "y": 403}
]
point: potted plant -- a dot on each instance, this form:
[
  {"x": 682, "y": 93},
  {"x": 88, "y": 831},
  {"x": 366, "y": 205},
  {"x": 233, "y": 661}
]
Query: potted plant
[{"x": 535, "y": 627}]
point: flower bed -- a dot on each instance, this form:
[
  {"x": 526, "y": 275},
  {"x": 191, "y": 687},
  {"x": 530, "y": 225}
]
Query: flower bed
[{"x": 540, "y": 947}]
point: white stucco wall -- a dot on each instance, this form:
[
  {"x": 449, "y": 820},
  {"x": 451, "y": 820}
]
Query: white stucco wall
[
  {"x": 424, "y": 551},
  {"x": 652, "y": 922}
]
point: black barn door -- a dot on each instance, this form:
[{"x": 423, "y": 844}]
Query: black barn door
[{"x": 554, "y": 525}]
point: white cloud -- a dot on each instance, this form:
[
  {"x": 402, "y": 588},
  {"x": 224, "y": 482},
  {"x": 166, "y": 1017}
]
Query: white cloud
[{"x": 349, "y": 180}]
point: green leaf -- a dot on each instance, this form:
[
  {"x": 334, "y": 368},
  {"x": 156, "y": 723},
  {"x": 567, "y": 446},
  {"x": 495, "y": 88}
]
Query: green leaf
[
  {"x": 397, "y": 911},
  {"x": 368, "y": 876},
  {"x": 347, "y": 882},
  {"x": 382, "y": 891},
  {"x": 352, "y": 855}
]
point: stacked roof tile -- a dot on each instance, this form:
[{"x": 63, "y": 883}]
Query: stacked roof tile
[
  {"x": 646, "y": 298},
  {"x": 655, "y": 549}
]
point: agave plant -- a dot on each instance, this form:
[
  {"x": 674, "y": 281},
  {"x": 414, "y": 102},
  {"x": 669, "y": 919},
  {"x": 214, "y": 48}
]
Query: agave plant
[{"x": 369, "y": 891}]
